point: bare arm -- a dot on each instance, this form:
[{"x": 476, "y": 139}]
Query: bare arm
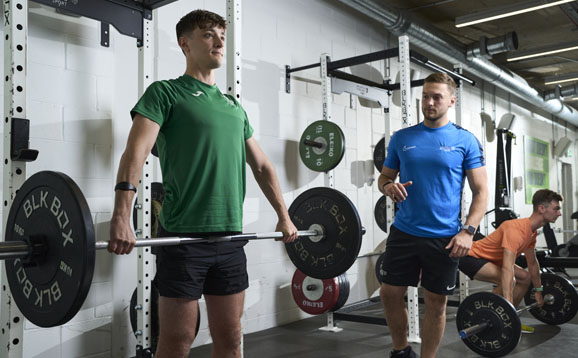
[
  {"x": 266, "y": 177},
  {"x": 388, "y": 186},
  {"x": 478, "y": 181},
  {"x": 141, "y": 139},
  {"x": 508, "y": 262},
  {"x": 534, "y": 270},
  {"x": 386, "y": 175}
]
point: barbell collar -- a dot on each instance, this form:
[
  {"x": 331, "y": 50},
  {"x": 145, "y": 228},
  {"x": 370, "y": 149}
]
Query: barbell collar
[{"x": 172, "y": 241}]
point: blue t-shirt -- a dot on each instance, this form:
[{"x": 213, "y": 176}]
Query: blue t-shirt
[{"x": 435, "y": 160}]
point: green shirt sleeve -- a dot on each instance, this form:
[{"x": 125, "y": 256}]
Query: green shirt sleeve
[
  {"x": 248, "y": 130},
  {"x": 155, "y": 104}
]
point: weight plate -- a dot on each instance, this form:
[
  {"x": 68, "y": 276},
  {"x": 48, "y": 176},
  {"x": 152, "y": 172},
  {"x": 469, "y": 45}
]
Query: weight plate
[
  {"x": 332, "y": 141},
  {"x": 314, "y": 296},
  {"x": 334, "y": 254},
  {"x": 379, "y": 154},
  {"x": 505, "y": 331},
  {"x": 343, "y": 292},
  {"x": 51, "y": 290},
  {"x": 379, "y": 273},
  {"x": 380, "y": 213},
  {"x": 565, "y": 304},
  {"x": 157, "y": 197},
  {"x": 154, "y": 300}
]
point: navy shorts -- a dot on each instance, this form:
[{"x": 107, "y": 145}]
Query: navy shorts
[
  {"x": 407, "y": 257},
  {"x": 191, "y": 270},
  {"x": 471, "y": 265}
]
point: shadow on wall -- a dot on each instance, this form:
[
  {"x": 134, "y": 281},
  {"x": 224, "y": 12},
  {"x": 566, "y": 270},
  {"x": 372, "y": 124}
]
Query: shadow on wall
[
  {"x": 371, "y": 282},
  {"x": 85, "y": 151},
  {"x": 47, "y": 19},
  {"x": 86, "y": 342},
  {"x": 262, "y": 85}
]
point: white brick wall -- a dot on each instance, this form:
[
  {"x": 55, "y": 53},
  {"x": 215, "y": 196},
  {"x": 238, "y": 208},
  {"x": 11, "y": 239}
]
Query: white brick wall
[{"x": 79, "y": 97}]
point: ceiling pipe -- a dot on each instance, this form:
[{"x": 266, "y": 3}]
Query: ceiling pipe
[
  {"x": 559, "y": 91},
  {"x": 489, "y": 47},
  {"x": 439, "y": 44}
]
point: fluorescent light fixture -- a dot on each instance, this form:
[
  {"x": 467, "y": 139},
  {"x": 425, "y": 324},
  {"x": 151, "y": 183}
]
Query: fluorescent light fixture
[
  {"x": 552, "y": 80},
  {"x": 543, "y": 51},
  {"x": 505, "y": 11}
]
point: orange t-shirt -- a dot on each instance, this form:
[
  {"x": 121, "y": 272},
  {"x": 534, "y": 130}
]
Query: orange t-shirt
[{"x": 514, "y": 235}]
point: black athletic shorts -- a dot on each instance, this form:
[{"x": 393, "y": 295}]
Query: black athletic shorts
[
  {"x": 408, "y": 256},
  {"x": 190, "y": 270},
  {"x": 471, "y": 265}
]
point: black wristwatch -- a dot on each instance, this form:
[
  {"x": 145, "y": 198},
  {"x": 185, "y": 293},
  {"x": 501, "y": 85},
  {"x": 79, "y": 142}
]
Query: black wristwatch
[{"x": 469, "y": 229}]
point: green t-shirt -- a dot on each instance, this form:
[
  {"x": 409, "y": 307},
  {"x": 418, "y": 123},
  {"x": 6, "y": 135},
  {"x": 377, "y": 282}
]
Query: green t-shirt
[{"x": 201, "y": 147}]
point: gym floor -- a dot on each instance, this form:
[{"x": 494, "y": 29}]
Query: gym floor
[{"x": 303, "y": 339}]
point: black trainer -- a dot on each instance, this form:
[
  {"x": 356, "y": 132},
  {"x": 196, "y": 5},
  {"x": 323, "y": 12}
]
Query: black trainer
[{"x": 407, "y": 352}]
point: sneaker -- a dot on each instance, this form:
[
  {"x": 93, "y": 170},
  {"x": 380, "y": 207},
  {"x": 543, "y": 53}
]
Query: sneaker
[
  {"x": 527, "y": 329},
  {"x": 407, "y": 352}
]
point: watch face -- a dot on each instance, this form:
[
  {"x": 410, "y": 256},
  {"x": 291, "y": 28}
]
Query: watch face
[{"x": 471, "y": 229}]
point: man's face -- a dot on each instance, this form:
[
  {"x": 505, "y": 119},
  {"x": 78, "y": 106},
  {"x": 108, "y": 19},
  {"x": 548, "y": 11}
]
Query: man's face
[
  {"x": 206, "y": 47},
  {"x": 551, "y": 212},
  {"x": 436, "y": 100}
]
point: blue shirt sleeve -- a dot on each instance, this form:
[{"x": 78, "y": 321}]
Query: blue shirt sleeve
[
  {"x": 392, "y": 158},
  {"x": 474, "y": 153}
]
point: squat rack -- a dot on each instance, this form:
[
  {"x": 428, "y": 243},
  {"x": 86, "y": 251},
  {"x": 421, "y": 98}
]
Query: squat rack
[
  {"x": 335, "y": 81},
  {"x": 131, "y": 18}
]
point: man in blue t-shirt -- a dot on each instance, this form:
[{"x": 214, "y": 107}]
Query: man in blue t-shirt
[{"x": 433, "y": 159}]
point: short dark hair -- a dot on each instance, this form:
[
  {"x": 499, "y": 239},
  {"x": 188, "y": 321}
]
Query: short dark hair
[
  {"x": 545, "y": 197},
  {"x": 201, "y": 19},
  {"x": 440, "y": 77}
]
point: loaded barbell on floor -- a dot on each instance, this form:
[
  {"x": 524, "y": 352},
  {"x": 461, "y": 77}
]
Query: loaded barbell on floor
[
  {"x": 50, "y": 243},
  {"x": 490, "y": 325}
]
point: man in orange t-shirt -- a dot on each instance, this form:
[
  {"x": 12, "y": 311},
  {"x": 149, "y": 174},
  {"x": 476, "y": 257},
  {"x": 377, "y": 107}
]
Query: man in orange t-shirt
[{"x": 492, "y": 258}]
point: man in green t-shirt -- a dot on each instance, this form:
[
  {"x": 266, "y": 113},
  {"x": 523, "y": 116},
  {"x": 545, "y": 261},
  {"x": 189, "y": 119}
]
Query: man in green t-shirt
[{"x": 204, "y": 139}]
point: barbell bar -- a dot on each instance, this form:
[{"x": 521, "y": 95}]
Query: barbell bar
[
  {"x": 480, "y": 327},
  {"x": 50, "y": 246},
  {"x": 23, "y": 248},
  {"x": 313, "y": 143},
  {"x": 173, "y": 241}
]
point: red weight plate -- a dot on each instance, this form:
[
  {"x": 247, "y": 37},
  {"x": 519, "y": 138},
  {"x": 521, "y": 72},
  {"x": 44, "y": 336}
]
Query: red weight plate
[{"x": 312, "y": 295}]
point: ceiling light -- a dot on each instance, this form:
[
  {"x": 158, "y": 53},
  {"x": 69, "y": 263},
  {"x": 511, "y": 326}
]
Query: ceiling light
[
  {"x": 551, "y": 80},
  {"x": 505, "y": 11},
  {"x": 543, "y": 51}
]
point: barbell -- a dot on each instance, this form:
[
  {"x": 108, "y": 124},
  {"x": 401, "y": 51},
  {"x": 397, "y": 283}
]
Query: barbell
[
  {"x": 487, "y": 324},
  {"x": 490, "y": 325},
  {"x": 50, "y": 243}
]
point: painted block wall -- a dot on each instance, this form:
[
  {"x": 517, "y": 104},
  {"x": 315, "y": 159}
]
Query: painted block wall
[{"x": 80, "y": 95}]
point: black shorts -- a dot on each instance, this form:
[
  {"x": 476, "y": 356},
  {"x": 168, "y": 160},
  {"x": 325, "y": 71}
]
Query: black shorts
[
  {"x": 188, "y": 271},
  {"x": 408, "y": 256},
  {"x": 471, "y": 265}
]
